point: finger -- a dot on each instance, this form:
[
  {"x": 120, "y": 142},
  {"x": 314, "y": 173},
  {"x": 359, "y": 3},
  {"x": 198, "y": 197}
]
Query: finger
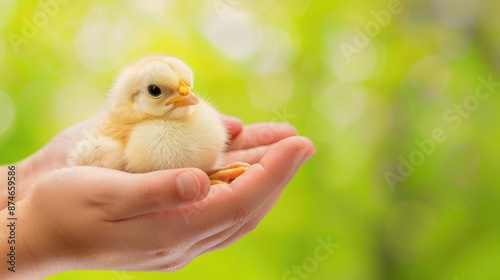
[
  {"x": 235, "y": 233},
  {"x": 262, "y": 134},
  {"x": 161, "y": 190},
  {"x": 232, "y": 124},
  {"x": 251, "y": 156},
  {"x": 75, "y": 132},
  {"x": 85, "y": 124},
  {"x": 214, "y": 242},
  {"x": 275, "y": 169},
  {"x": 244, "y": 197},
  {"x": 63, "y": 141},
  {"x": 123, "y": 195}
]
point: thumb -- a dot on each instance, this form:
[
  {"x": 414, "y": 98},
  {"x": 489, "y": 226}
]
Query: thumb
[
  {"x": 124, "y": 195},
  {"x": 158, "y": 191}
]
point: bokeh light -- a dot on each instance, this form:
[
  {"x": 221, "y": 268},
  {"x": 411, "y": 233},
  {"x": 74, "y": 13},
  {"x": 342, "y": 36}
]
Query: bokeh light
[
  {"x": 429, "y": 82},
  {"x": 277, "y": 50},
  {"x": 7, "y": 8},
  {"x": 8, "y": 110},
  {"x": 270, "y": 91},
  {"x": 236, "y": 36},
  {"x": 349, "y": 66},
  {"x": 102, "y": 35}
]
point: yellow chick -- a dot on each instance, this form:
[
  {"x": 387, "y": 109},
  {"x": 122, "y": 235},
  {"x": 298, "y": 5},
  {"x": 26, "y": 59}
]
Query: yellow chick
[{"x": 153, "y": 120}]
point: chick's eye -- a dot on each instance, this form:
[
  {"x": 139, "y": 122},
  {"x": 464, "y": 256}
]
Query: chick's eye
[{"x": 154, "y": 90}]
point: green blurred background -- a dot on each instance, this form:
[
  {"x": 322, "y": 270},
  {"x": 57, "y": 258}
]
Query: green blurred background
[{"x": 363, "y": 100}]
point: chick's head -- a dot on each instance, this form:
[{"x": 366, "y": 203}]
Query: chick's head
[{"x": 159, "y": 86}]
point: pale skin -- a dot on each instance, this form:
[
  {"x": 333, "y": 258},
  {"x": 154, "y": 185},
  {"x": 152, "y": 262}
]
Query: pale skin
[{"x": 96, "y": 218}]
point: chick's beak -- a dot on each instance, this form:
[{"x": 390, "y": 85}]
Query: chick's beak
[{"x": 187, "y": 96}]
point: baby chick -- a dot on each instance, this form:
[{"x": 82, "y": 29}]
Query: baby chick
[{"x": 153, "y": 121}]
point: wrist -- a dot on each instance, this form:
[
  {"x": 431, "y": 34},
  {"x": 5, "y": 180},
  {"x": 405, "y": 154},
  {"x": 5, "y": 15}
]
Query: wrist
[{"x": 24, "y": 248}]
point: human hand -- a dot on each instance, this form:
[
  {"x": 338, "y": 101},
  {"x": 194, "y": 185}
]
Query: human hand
[
  {"x": 95, "y": 218},
  {"x": 50, "y": 157},
  {"x": 54, "y": 154}
]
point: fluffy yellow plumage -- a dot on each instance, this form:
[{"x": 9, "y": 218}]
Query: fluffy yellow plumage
[{"x": 153, "y": 120}]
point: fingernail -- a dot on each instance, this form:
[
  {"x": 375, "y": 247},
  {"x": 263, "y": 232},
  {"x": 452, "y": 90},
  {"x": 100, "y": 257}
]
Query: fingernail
[
  {"x": 234, "y": 119},
  {"x": 188, "y": 185},
  {"x": 303, "y": 156},
  {"x": 306, "y": 158},
  {"x": 299, "y": 157}
]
